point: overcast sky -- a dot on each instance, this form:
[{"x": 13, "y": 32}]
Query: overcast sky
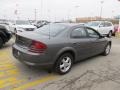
[{"x": 57, "y": 9}]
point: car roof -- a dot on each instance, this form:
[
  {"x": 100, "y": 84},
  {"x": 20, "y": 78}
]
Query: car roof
[{"x": 69, "y": 24}]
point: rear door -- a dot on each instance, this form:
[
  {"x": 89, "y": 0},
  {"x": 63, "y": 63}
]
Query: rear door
[{"x": 80, "y": 42}]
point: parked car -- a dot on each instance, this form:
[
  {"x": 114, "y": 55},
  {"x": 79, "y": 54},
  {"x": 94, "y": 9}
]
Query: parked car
[
  {"x": 22, "y": 25},
  {"x": 6, "y": 24},
  {"x": 5, "y": 35},
  {"x": 115, "y": 29},
  {"x": 59, "y": 45},
  {"x": 41, "y": 23},
  {"x": 103, "y": 27}
]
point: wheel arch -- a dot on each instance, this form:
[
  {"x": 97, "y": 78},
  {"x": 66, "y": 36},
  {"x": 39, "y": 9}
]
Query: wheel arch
[{"x": 63, "y": 51}]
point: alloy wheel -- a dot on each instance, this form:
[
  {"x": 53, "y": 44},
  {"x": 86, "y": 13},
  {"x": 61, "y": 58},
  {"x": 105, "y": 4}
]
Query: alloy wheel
[{"x": 65, "y": 64}]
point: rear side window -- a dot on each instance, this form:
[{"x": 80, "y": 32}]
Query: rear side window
[
  {"x": 78, "y": 33},
  {"x": 52, "y": 29}
]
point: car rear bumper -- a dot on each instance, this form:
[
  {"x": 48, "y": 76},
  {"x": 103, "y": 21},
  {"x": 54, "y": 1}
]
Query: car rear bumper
[{"x": 32, "y": 59}]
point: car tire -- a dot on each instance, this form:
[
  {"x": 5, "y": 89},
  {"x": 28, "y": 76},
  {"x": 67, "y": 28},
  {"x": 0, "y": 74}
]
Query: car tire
[
  {"x": 110, "y": 34},
  {"x": 107, "y": 50},
  {"x": 64, "y": 63},
  {"x": 1, "y": 42}
]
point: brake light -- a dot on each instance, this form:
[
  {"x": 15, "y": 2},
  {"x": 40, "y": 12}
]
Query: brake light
[{"x": 37, "y": 47}]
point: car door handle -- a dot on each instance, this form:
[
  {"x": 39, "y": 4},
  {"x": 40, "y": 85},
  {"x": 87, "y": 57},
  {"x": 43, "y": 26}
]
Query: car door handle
[
  {"x": 76, "y": 43},
  {"x": 96, "y": 41}
]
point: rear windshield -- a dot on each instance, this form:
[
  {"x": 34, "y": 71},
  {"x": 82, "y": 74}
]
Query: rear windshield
[{"x": 51, "y": 29}]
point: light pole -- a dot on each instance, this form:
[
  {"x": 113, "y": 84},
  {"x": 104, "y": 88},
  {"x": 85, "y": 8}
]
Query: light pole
[{"x": 101, "y": 9}]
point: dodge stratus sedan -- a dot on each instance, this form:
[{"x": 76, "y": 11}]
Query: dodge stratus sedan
[{"x": 58, "y": 46}]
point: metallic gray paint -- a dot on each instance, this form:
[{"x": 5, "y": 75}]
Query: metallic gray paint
[{"x": 82, "y": 47}]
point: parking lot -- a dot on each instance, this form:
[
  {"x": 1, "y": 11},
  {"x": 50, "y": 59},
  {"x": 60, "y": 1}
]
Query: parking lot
[{"x": 95, "y": 73}]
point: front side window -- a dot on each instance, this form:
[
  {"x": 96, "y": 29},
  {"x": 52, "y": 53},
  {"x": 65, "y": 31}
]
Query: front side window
[
  {"x": 92, "y": 33},
  {"x": 78, "y": 33}
]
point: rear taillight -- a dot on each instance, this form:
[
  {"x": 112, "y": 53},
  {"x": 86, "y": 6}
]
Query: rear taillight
[{"x": 37, "y": 47}]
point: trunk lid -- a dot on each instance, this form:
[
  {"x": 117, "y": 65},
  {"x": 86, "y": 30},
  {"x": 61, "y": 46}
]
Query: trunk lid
[{"x": 24, "y": 39}]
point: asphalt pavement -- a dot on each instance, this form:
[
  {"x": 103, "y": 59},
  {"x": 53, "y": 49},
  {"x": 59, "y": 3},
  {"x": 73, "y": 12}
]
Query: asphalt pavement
[{"x": 96, "y": 73}]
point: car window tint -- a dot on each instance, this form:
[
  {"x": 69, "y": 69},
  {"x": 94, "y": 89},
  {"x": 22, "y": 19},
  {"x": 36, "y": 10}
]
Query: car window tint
[
  {"x": 52, "y": 29},
  {"x": 78, "y": 33},
  {"x": 92, "y": 33}
]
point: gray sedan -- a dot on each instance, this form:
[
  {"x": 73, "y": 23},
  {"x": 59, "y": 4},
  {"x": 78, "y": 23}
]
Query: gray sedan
[{"x": 58, "y": 45}]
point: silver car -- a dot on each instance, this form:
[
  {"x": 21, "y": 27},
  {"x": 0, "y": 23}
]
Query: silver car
[{"x": 58, "y": 45}]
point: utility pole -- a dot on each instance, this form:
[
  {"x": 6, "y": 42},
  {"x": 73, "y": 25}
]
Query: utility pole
[
  {"x": 101, "y": 9},
  {"x": 41, "y": 9},
  {"x": 35, "y": 14},
  {"x": 16, "y": 11},
  {"x": 49, "y": 16}
]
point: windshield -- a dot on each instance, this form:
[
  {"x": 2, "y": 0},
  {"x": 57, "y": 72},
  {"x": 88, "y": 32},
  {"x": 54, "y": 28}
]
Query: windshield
[
  {"x": 52, "y": 29},
  {"x": 22, "y": 23},
  {"x": 93, "y": 23}
]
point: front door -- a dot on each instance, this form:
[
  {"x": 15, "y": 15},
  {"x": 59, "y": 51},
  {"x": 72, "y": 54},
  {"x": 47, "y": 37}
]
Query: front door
[{"x": 97, "y": 44}]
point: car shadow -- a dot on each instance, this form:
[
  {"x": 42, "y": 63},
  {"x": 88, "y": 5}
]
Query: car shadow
[
  {"x": 87, "y": 60},
  {"x": 37, "y": 70}
]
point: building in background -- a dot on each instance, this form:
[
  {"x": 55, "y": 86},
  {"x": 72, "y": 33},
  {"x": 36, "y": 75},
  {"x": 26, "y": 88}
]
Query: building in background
[{"x": 88, "y": 19}]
